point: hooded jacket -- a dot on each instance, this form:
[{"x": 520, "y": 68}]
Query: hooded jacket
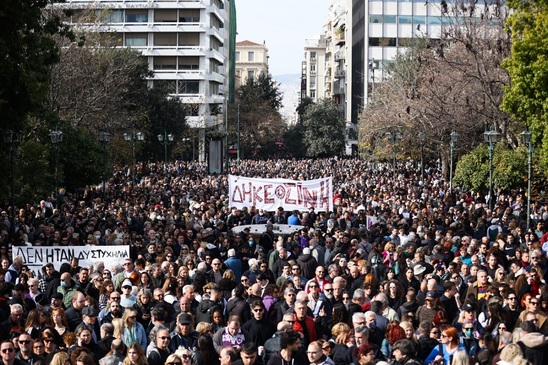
[
  {"x": 535, "y": 348},
  {"x": 308, "y": 265}
]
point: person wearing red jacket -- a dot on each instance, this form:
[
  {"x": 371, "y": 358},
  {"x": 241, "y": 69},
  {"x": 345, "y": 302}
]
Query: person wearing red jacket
[{"x": 304, "y": 324}]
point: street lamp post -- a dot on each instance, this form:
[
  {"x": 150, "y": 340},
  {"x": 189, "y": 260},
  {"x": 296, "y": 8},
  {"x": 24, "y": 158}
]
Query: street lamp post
[
  {"x": 452, "y": 141},
  {"x": 491, "y": 137},
  {"x": 526, "y": 138},
  {"x": 104, "y": 138},
  {"x": 133, "y": 137},
  {"x": 165, "y": 139},
  {"x": 56, "y": 137},
  {"x": 422, "y": 139},
  {"x": 12, "y": 138},
  {"x": 394, "y": 137}
]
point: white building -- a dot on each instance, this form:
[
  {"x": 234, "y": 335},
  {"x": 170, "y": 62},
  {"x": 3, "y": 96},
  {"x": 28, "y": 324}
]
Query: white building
[
  {"x": 251, "y": 61},
  {"x": 313, "y": 69}
]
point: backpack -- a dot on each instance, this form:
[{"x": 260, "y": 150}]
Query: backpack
[{"x": 204, "y": 312}]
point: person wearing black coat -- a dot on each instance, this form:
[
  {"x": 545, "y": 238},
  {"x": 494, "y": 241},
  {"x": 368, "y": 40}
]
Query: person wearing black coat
[{"x": 259, "y": 327}]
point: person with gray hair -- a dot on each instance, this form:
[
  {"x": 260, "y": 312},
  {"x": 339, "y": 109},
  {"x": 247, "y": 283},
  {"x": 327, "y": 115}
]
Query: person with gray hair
[
  {"x": 505, "y": 338},
  {"x": 272, "y": 345},
  {"x": 289, "y": 299}
]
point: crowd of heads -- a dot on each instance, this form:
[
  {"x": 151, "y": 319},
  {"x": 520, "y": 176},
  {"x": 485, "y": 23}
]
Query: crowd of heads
[{"x": 402, "y": 257}]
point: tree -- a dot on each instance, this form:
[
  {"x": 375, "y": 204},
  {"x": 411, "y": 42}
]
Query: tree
[
  {"x": 301, "y": 108},
  {"x": 323, "y": 129},
  {"x": 257, "y": 108},
  {"x": 527, "y": 95},
  {"x": 451, "y": 84},
  {"x": 262, "y": 87},
  {"x": 509, "y": 168},
  {"x": 28, "y": 51}
]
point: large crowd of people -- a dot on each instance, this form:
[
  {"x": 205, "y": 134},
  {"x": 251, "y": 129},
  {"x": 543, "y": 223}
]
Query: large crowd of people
[{"x": 403, "y": 271}]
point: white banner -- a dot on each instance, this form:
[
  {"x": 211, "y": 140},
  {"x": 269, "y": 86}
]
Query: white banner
[
  {"x": 269, "y": 194},
  {"x": 35, "y": 257}
]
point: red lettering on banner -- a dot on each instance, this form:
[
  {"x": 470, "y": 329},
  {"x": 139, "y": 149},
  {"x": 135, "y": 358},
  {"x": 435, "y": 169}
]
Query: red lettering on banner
[
  {"x": 256, "y": 196},
  {"x": 268, "y": 200},
  {"x": 246, "y": 194},
  {"x": 310, "y": 197},
  {"x": 288, "y": 193}
]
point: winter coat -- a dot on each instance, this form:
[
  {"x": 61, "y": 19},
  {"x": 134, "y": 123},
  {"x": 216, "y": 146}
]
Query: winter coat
[{"x": 308, "y": 265}]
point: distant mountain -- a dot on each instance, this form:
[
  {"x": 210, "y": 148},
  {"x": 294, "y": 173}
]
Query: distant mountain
[{"x": 290, "y": 85}]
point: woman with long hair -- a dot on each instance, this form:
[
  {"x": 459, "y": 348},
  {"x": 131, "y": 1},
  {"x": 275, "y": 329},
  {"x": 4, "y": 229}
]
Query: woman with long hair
[
  {"x": 394, "y": 291},
  {"x": 36, "y": 320},
  {"x": 135, "y": 355},
  {"x": 144, "y": 307},
  {"x": 59, "y": 321},
  {"x": 394, "y": 332},
  {"x": 104, "y": 293},
  {"x": 343, "y": 341},
  {"x": 144, "y": 281},
  {"x": 450, "y": 343},
  {"x": 206, "y": 354},
  {"x": 133, "y": 331}
]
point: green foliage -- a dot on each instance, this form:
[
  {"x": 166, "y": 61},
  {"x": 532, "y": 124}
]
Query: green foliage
[
  {"x": 323, "y": 129},
  {"x": 293, "y": 141},
  {"x": 509, "y": 168},
  {"x": 28, "y": 52},
  {"x": 34, "y": 177},
  {"x": 301, "y": 108},
  {"x": 526, "y": 99},
  {"x": 81, "y": 159},
  {"x": 261, "y": 88}
]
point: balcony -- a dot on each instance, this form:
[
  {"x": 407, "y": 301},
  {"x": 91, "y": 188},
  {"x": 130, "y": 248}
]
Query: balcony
[
  {"x": 340, "y": 73},
  {"x": 339, "y": 56}
]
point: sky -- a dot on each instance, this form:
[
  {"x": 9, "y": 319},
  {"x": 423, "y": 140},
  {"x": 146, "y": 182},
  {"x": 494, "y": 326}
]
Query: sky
[{"x": 283, "y": 25}]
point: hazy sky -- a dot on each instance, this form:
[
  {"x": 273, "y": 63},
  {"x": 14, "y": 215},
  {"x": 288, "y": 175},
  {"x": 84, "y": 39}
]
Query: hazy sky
[{"x": 283, "y": 25}]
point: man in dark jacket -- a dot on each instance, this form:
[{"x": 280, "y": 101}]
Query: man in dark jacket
[
  {"x": 533, "y": 344},
  {"x": 307, "y": 263},
  {"x": 185, "y": 336},
  {"x": 52, "y": 280},
  {"x": 259, "y": 327}
]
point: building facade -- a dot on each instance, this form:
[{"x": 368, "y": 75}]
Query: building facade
[{"x": 251, "y": 61}]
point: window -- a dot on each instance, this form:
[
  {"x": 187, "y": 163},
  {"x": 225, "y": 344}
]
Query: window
[
  {"x": 189, "y": 15},
  {"x": 165, "y": 16},
  {"x": 312, "y": 93},
  {"x": 189, "y": 87},
  {"x": 136, "y": 39},
  {"x": 136, "y": 16},
  {"x": 165, "y": 63},
  {"x": 405, "y": 19},
  {"x": 165, "y": 39},
  {"x": 250, "y": 74},
  {"x": 312, "y": 82},
  {"x": 213, "y": 88},
  {"x": 237, "y": 56},
  {"x": 251, "y": 56},
  {"x": 110, "y": 16},
  {"x": 189, "y": 39},
  {"x": 375, "y": 18},
  {"x": 168, "y": 85},
  {"x": 189, "y": 63}
]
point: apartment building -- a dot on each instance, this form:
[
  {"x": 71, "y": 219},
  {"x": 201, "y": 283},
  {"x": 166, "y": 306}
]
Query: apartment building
[
  {"x": 251, "y": 61},
  {"x": 313, "y": 69},
  {"x": 184, "y": 41}
]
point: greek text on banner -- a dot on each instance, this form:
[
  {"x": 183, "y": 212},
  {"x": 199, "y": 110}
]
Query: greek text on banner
[
  {"x": 36, "y": 257},
  {"x": 270, "y": 194}
]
